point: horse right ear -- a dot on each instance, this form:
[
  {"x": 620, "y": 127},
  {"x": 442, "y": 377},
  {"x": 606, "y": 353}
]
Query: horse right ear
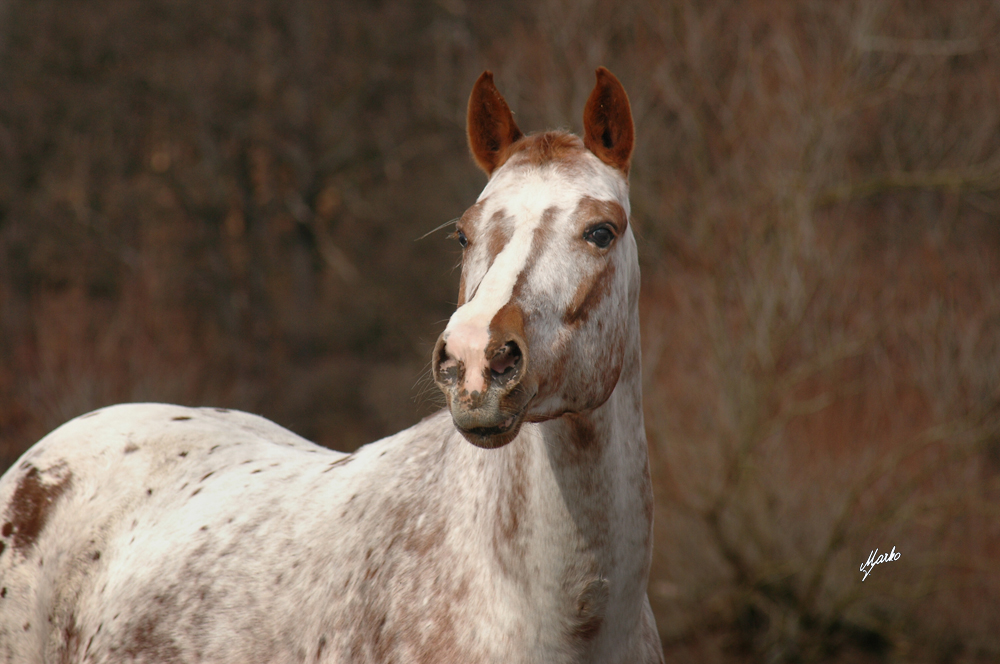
[
  {"x": 608, "y": 130},
  {"x": 491, "y": 127}
]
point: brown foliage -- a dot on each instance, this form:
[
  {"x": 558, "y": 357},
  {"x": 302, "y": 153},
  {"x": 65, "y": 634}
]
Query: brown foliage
[{"x": 216, "y": 202}]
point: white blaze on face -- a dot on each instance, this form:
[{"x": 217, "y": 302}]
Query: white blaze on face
[
  {"x": 468, "y": 331},
  {"x": 524, "y": 195}
]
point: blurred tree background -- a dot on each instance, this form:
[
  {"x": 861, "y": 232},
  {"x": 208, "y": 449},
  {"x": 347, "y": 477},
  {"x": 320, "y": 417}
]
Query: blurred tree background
[{"x": 222, "y": 202}]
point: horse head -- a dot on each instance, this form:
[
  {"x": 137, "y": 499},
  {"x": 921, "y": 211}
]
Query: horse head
[{"x": 550, "y": 275}]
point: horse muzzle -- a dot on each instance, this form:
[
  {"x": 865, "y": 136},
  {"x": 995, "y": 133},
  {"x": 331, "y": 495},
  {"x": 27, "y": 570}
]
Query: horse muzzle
[{"x": 482, "y": 375}]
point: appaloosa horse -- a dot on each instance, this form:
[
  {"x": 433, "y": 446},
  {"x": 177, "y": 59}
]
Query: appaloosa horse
[{"x": 157, "y": 533}]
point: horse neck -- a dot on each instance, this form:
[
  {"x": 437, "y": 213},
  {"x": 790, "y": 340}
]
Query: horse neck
[
  {"x": 571, "y": 498},
  {"x": 552, "y": 529},
  {"x": 600, "y": 464}
]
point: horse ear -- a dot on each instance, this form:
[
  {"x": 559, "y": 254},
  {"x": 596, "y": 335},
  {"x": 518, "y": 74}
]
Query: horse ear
[
  {"x": 491, "y": 125},
  {"x": 608, "y": 131}
]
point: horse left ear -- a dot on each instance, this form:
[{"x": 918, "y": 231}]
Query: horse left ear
[
  {"x": 490, "y": 125},
  {"x": 608, "y": 131}
]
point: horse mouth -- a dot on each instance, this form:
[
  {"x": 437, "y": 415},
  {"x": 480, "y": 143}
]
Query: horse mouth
[
  {"x": 494, "y": 421},
  {"x": 492, "y": 436}
]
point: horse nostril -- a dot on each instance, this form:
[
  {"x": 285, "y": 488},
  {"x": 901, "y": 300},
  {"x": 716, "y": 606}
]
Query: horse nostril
[
  {"x": 444, "y": 366},
  {"x": 505, "y": 361}
]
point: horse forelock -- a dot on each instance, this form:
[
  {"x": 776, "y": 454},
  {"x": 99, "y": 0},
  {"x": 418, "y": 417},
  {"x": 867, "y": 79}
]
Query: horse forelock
[{"x": 551, "y": 147}]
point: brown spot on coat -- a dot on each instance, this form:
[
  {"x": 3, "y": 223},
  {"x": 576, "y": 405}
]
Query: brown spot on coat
[
  {"x": 32, "y": 504},
  {"x": 131, "y": 447},
  {"x": 583, "y": 435},
  {"x": 180, "y": 418},
  {"x": 511, "y": 513},
  {"x": 146, "y": 640}
]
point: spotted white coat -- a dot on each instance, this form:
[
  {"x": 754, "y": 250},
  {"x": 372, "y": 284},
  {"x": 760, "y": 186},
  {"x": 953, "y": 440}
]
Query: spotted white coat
[{"x": 158, "y": 533}]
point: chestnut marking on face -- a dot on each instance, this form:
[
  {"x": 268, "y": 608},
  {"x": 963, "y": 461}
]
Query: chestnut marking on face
[
  {"x": 467, "y": 225},
  {"x": 589, "y": 294},
  {"x": 500, "y": 232},
  {"x": 591, "y": 210}
]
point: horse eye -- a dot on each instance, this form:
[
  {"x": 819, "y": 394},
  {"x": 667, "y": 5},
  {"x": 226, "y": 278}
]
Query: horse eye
[
  {"x": 600, "y": 237},
  {"x": 462, "y": 240}
]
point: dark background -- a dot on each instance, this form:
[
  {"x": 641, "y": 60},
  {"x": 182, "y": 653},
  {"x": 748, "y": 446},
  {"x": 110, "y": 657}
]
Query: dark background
[{"x": 216, "y": 202}]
